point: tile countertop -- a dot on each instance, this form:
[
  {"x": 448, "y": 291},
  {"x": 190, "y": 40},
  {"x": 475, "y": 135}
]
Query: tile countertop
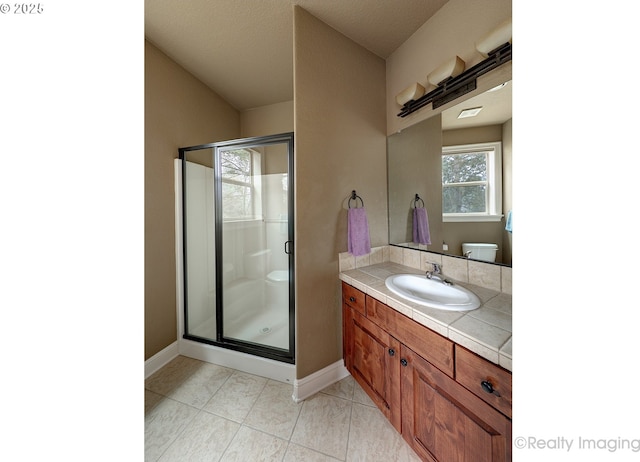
[{"x": 485, "y": 331}]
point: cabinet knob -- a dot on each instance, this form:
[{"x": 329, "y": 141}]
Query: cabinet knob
[
  {"x": 404, "y": 362},
  {"x": 392, "y": 352},
  {"x": 488, "y": 387},
  {"x": 352, "y": 299}
]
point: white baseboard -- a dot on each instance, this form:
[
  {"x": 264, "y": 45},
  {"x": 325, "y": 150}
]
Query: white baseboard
[
  {"x": 160, "y": 359},
  {"x": 312, "y": 384},
  {"x": 264, "y": 367},
  {"x": 302, "y": 389}
]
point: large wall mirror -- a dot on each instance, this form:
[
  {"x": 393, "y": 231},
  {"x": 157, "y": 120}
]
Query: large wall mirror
[{"x": 415, "y": 166}]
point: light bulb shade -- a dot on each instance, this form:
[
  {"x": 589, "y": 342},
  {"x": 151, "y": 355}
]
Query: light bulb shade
[
  {"x": 412, "y": 92},
  {"x": 499, "y": 36},
  {"x": 450, "y": 68}
]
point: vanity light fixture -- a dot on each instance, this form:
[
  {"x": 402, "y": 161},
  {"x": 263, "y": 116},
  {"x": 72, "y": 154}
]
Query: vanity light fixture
[
  {"x": 472, "y": 112},
  {"x": 450, "y": 68},
  {"x": 495, "y": 38},
  {"x": 496, "y": 47},
  {"x": 412, "y": 92},
  {"x": 455, "y": 87}
]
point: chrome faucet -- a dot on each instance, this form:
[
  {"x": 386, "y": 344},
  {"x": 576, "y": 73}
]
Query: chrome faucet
[{"x": 436, "y": 274}]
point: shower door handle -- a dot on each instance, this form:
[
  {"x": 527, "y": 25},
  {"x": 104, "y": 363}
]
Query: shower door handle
[{"x": 287, "y": 247}]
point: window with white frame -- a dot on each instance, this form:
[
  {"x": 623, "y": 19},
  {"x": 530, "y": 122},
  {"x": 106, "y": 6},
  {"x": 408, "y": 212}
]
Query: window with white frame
[{"x": 472, "y": 182}]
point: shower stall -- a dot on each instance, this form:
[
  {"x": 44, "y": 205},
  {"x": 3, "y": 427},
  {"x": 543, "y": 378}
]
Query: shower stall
[{"x": 237, "y": 245}]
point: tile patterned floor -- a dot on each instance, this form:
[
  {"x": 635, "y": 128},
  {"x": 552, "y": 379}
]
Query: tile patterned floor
[{"x": 197, "y": 411}]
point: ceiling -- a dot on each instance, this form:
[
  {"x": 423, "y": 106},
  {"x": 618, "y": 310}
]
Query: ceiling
[
  {"x": 243, "y": 49},
  {"x": 496, "y": 109}
]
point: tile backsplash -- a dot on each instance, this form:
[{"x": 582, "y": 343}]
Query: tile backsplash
[{"x": 488, "y": 275}]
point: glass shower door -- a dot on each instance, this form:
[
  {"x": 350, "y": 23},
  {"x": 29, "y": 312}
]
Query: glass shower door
[
  {"x": 238, "y": 245},
  {"x": 255, "y": 244}
]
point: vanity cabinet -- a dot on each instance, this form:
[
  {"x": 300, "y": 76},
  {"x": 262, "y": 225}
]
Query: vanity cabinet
[
  {"x": 443, "y": 421},
  {"x": 448, "y": 403},
  {"x": 371, "y": 357}
]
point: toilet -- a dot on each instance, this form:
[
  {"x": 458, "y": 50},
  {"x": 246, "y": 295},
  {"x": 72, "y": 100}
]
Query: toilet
[
  {"x": 256, "y": 265},
  {"x": 480, "y": 251},
  {"x": 278, "y": 288}
]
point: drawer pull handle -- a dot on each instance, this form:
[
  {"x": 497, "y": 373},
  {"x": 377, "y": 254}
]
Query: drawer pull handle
[
  {"x": 404, "y": 362},
  {"x": 488, "y": 387},
  {"x": 352, "y": 299},
  {"x": 392, "y": 352}
]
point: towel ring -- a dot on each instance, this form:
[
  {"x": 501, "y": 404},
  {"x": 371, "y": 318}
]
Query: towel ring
[
  {"x": 415, "y": 202},
  {"x": 355, "y": 197}
]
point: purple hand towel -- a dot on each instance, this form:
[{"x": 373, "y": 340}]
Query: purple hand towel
[
  {"x": 421, "y": 226},
  {"x": 358, "y": 240}
]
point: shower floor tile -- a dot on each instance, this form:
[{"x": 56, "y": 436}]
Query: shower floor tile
[{"x": 269, "y": 326}]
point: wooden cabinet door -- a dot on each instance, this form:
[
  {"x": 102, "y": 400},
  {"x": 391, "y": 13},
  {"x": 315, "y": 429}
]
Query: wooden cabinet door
[
  {"x": 444, "y": 422},
  {"x": 372, "y": 358}
]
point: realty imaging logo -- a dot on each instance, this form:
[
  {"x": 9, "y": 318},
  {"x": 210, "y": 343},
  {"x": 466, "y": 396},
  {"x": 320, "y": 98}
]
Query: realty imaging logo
[{"x": 562, "y": 443}]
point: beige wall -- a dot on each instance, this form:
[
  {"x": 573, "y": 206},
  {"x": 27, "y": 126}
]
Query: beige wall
[
  {"x": 180, "y": 111},
  {"x": 452, "y": 31},
  {"x": 472, "y": 135},
  {"x": 339, "y": 90},
  {"x": 267, "y": 120}
]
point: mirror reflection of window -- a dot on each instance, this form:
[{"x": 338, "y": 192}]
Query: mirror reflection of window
[
  {"x": 464, "y": 182},
  {"x": 471, "y": 181}
]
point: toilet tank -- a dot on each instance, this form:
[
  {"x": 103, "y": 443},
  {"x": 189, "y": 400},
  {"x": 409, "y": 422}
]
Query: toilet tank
[{"x": 480, "y": 251}]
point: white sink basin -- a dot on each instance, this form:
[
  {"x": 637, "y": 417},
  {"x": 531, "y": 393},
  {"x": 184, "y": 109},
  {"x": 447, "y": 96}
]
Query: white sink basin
[{"x": 432, "y": 292}]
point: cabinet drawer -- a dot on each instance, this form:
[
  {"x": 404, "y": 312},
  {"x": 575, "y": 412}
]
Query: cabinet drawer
[
  {"x": 435, "y": 348},
  {"x": 472, "y": 371},
  {"x": 353, "y": 297}
]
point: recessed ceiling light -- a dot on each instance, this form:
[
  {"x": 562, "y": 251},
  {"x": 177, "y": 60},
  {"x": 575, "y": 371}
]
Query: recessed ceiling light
[{"x": 470, "y": 112}]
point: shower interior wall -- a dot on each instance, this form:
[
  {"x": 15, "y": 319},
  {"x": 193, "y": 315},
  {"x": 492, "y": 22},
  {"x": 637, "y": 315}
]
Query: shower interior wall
[{"x": 199, "y": 233}]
